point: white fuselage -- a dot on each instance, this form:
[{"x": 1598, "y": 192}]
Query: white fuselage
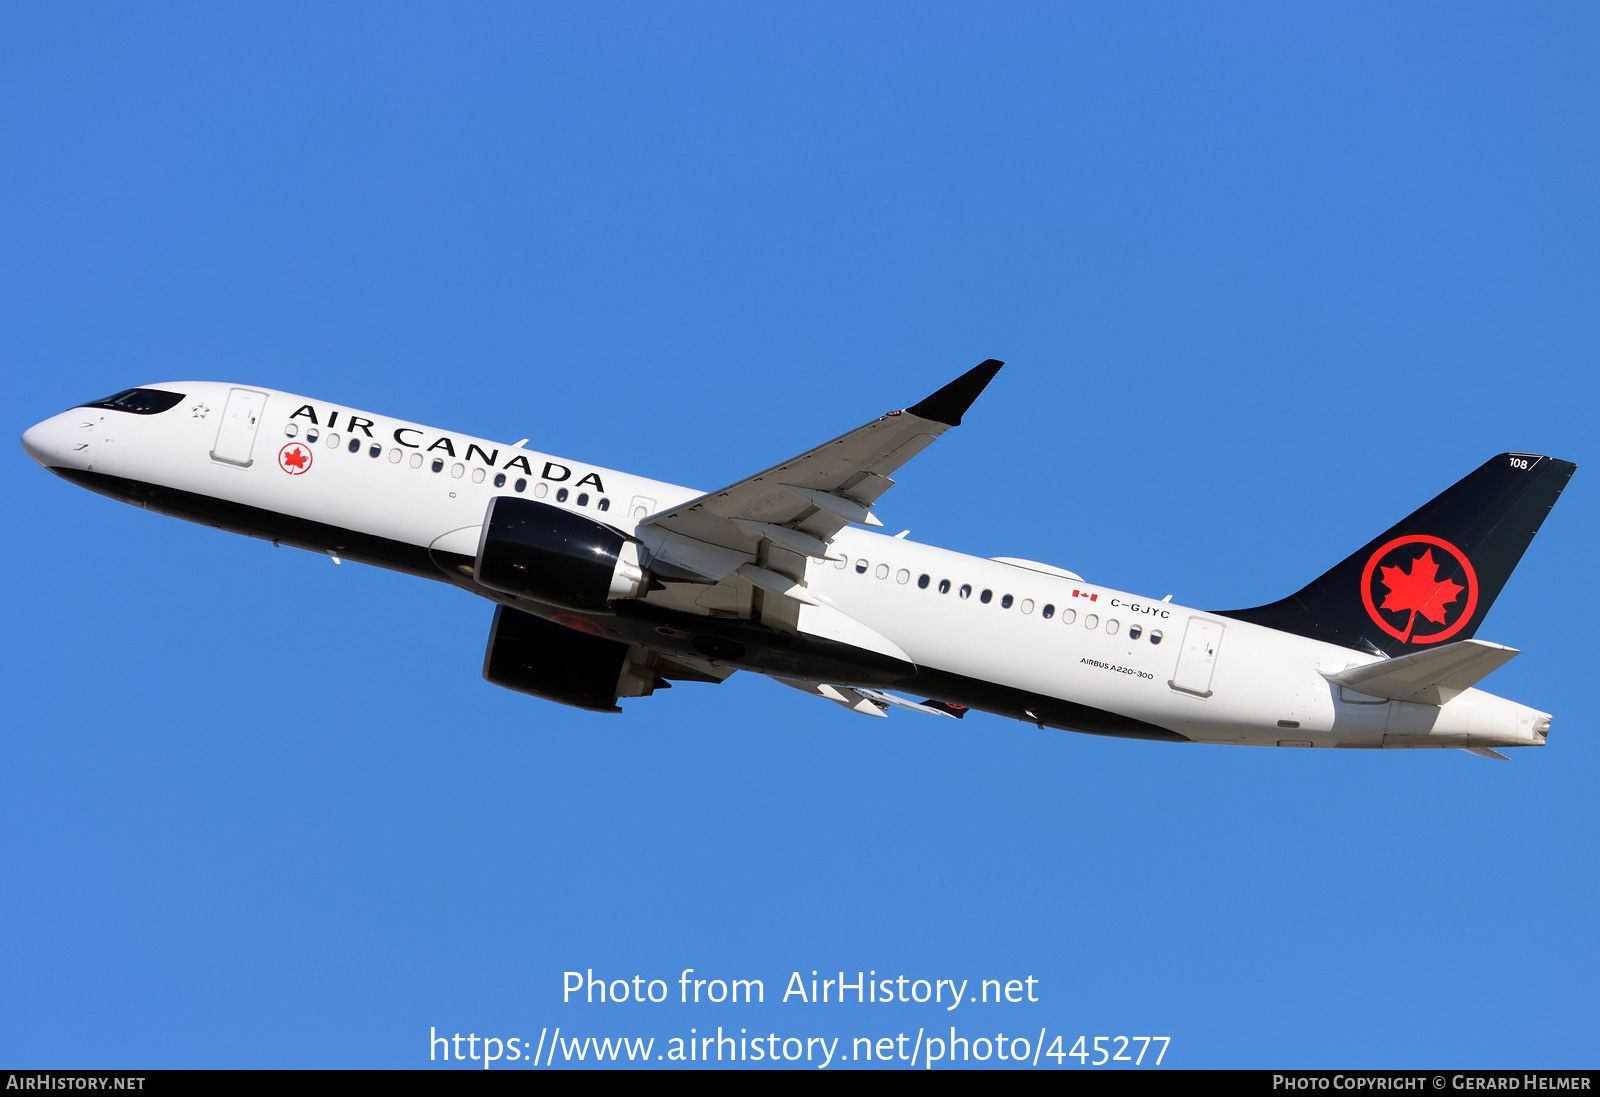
[{"x": 1205, "y": 677}]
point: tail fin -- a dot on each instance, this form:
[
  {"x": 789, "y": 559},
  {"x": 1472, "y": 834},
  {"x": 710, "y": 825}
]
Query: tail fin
[{"x": 1432, "y": 577}]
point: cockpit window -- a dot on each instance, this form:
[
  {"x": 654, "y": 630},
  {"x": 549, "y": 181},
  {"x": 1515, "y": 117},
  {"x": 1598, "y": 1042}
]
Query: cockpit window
[{"x": 140, "y": 401}]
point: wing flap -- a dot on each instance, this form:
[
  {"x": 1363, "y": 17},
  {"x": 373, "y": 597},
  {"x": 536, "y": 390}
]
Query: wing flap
[
  {"x": 794, "y": 540},
  {"x": 870, "y": 702},
  {"x": 932, "y": 708},
  {"x": 852, "y": 699},
  {"x": 831, "y": 624},
  {"x": 706, "y": 559}
]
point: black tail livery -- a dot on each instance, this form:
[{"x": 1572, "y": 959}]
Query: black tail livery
[{"x": 1431, "y": 578}]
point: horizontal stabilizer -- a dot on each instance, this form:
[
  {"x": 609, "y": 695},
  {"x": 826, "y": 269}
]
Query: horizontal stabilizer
[
  {"x": 1430, "y": 677},
  {"x": 1486, "y": 752}
]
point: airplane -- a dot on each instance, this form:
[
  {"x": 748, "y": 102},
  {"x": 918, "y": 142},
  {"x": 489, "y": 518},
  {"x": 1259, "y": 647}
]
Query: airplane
[{"x": 610, "y": 586}]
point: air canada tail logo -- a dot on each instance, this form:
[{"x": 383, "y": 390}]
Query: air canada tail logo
[{"x": 1420, "y": 589}]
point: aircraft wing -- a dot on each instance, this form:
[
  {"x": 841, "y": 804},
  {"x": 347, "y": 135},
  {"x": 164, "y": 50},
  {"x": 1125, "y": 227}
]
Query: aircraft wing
[
  {"x": 870, "y": 702},
  {"x": 762, "y": 526}
]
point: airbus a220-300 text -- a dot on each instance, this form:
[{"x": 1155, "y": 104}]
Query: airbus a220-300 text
[{"x": 610, "y": 586}]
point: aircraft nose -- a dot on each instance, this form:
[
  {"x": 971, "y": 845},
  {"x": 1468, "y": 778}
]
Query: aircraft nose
[
  {"x": 34, "y": 442},
  {"x": 47, "y": 442}
]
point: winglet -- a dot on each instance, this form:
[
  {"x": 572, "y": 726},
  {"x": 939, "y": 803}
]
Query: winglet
[{"x": 950, "y": 403}]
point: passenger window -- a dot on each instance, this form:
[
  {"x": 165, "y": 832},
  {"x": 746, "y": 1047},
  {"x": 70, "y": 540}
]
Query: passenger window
[
  {"x": 499, "y": 479},
  {"x": 861, "y": 567},
  {"x": 604, "y": 504},
  {"x": 394, "y": 456},
  {"x": 457, "y": 470},
  {"x": 922, "y": 582},
  {"x": 333, "y": 439},
  {"x": 883, "y": 571},
  {"x": 438, "y": 464},
  {"x": 985, "y": 596},
  {"x": 1027, "y": 605},
  {"x": 311, "y": 434},
  {"x": 902, "y": 576},
  {"x": 355, "y": 445},
  {"x": 583, "y": 498},
  {"x": 841, "y": 563},
  {"x": 561, "y": 495},
  {"x": 374, "y": 450},
  {"x": 1049, "y": 611},
  {"x": 478, "y": 475},
  {"x": 966, "y": 590},
  {"x": 1005, "y": 602},
  {"x": 1091, "y": 620},
  {"x": 944, "y": 586},
  {"x": 1068, "y": 615},
  {"x": 1155, "y": 636},
  {"x": 539, "y": 489},
  {"x": 416, "y": 460},
  {"x": 1134, "y": 632},
  {"x": 1112, "y": 626},
  {"x": 293, "y": 429},
  {"x": 521, "y": 484}
]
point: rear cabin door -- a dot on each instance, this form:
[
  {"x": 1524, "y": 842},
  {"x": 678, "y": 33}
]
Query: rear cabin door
[
  {"x": 237, "y": 434},
  {"x": 1198, "y": 657}
]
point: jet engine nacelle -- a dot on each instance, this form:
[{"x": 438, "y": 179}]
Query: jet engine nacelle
[
  {"x": 535, "y": 550},
  {"x": 547, "y": 660}
]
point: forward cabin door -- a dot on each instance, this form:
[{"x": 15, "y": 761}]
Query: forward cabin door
[
  {"x": 1198, "y": 657},
  {"x": 237, "y": 434}
]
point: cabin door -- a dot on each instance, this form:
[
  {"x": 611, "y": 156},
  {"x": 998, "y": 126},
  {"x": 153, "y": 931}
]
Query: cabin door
[
  {"x": 1198, "y": 656},
  {"x": 237, "y": 434}
]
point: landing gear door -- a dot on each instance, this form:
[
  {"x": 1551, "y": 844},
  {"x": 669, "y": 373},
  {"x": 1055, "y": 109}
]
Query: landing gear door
[
  {"x": 237, "y": 434},
  {"x": 1198, "y": 657}
]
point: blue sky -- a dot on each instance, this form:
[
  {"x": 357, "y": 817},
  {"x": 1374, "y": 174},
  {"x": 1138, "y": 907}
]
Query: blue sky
[{"x": 1266, "y": 277}]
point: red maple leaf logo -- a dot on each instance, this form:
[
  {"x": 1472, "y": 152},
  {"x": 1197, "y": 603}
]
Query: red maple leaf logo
[
  {"x": 1419, "y": 590},
  {"x": 295, "y": 458}
]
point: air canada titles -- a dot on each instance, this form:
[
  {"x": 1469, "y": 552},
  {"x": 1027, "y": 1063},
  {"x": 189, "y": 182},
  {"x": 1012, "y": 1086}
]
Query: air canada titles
[{"x": 473, "y": 450}]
